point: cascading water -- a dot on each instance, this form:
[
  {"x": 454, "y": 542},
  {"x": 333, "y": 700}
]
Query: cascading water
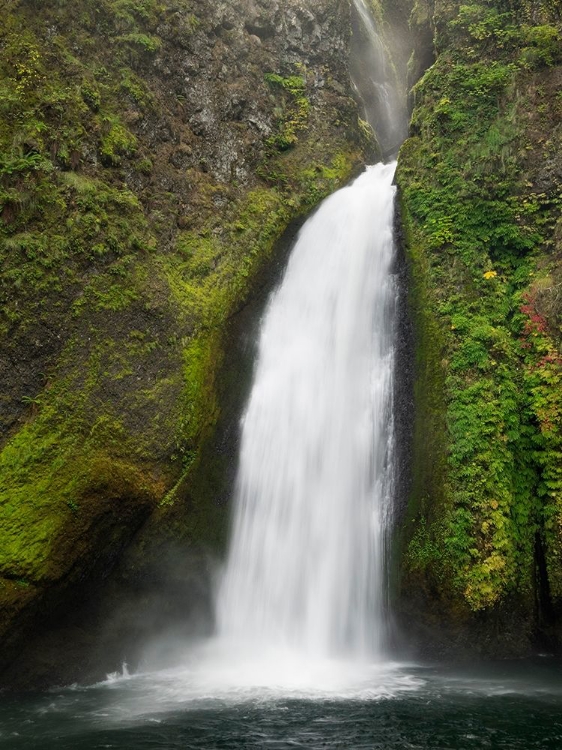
[
  {"x": 305, "y": 568},
  {"x": 376, "y": 81},
  {"x": 305, "y": 571}
]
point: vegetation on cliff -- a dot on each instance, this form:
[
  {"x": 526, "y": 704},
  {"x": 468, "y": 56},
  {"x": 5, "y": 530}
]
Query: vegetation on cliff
[{"x": 481, "y": 181}]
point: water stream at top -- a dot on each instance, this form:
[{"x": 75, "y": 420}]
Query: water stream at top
[{"x": 382, "y": 98}]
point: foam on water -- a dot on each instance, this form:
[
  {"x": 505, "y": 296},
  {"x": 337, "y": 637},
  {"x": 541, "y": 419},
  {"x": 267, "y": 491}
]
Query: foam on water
[
  {"x": 398, "y": 706},
  {"x": 212, "y": 679}
]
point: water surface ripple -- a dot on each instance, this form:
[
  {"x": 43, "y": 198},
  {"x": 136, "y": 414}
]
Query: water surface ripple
[{"x": 506, "y": 706}]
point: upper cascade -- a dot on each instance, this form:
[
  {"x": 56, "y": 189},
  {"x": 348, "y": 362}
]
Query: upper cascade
[{"x": 376, "y": 81}]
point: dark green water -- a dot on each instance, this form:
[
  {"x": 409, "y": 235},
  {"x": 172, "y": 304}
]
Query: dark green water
[{"x": 509, "y": 706}]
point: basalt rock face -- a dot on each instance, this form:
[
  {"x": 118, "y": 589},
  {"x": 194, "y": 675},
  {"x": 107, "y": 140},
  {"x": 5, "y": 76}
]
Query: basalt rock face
[
  {"x": 151, "y": 156},
  {"x": 480, "y": 181}
]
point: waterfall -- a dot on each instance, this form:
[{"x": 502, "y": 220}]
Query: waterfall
[
  {"x": 376, "y": 81},
  {"x": 305, "y": 573},
  {"x": 305, "y": 568}
]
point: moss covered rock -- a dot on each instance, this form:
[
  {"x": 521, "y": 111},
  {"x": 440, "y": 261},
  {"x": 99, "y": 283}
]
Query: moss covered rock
[
  {"x": 151, "y": 156},
  {"x": 480, "y": 180}
]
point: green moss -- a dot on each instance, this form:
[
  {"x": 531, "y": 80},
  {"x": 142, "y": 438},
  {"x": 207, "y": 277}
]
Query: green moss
[
  {"x": 142, "y": 41},
  {"x": 47, "y": 473},
  {"x": 91, "y": 95},
  {"x": 116, "y": 142},
  {"x": 294, "y": 112},
  {"x": 476, "y": 232},
  {"x": 200, "y": 405}
]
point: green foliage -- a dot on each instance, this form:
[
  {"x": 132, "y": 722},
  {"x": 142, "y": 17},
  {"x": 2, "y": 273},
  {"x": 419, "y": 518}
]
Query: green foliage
[
  {"x": 543, "y": 379},
  {"x": 91, "y": 95},
  {"x": 475, "y": 229},
  {"x": 295, "y": 110},
  {"x": 484, "y": 24},
  {"x": 423, "y": 551},
  {"x": 117, "y": 142},
  {"x": 12, "y": 164},
  {"x": 545, "y": 45},
  {"x": 484, "y": 28},
  {"x": 143, "y": 41}
]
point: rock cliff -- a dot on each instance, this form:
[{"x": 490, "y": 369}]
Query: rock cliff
[
  {"x": 480, "y": 180},
  {"x": 152, "y": 154}
]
